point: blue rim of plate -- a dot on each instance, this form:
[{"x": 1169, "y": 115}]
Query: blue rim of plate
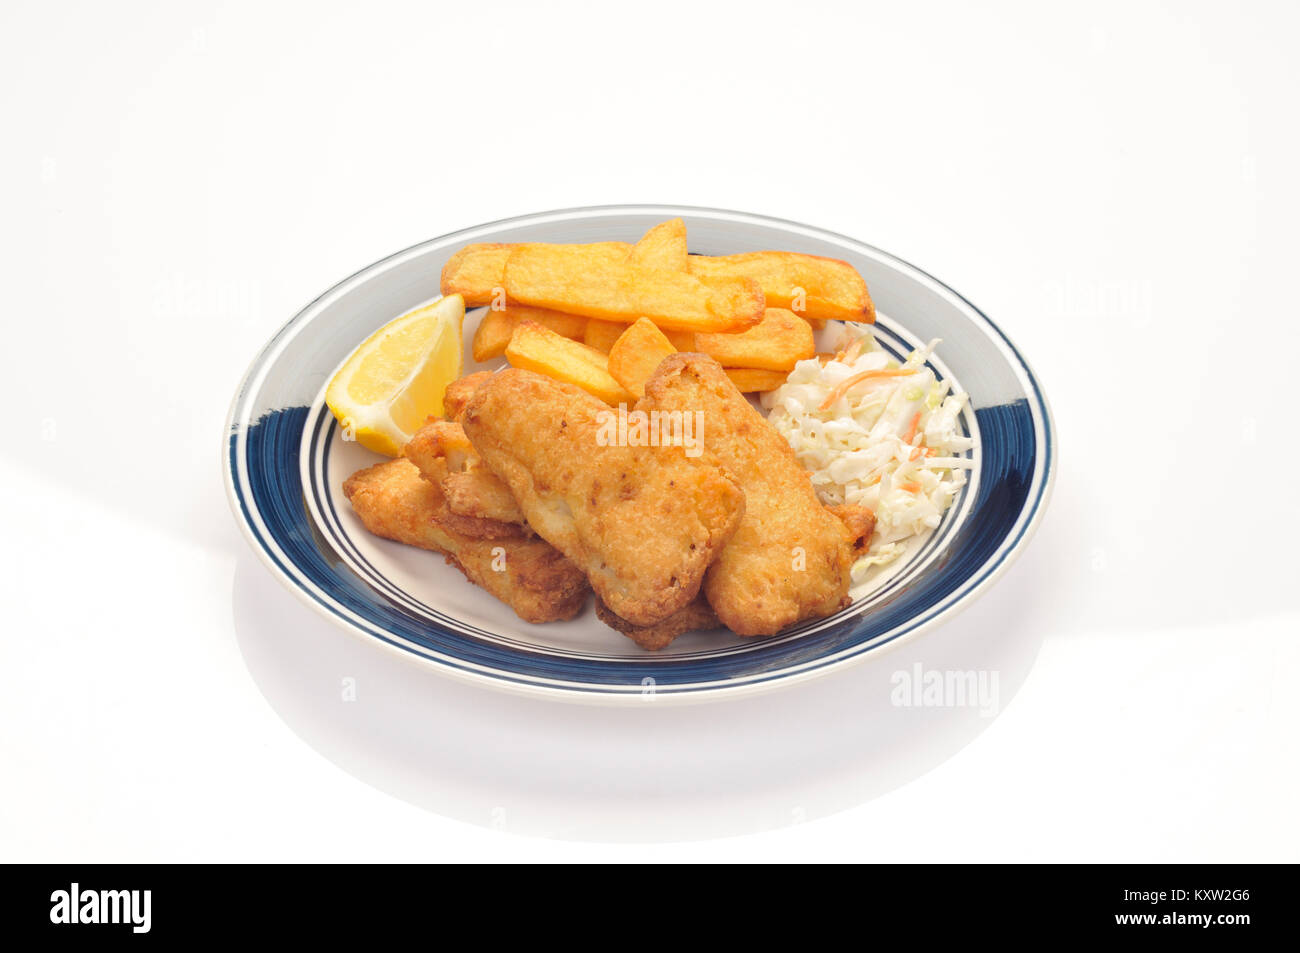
[{"x": 264, "y": 482}]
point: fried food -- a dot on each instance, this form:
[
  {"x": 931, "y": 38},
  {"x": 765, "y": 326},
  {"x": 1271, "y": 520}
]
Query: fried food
[
  {"x": 860, "y": 521},
  {"x": 750, "y": 380},
  {"x": 536, "y": 348},
  {"x": 644, "y": 522},
  {"x": 636, "y": 354},
  {"x": 478, "y": 493},
  {"x": 831, "y": 288},
  {"x": 440, "y": 446},
  {"x": 790, "y": 558},
  {"x": 444, "y": 456},
  {"x": 568, "y": 278},
  {"x": 696, "y": 616},
  {"x": 533, "y": 578},
  {"x": 497, "y": 327},
  {"x": 776, "y": 343},
  {"x": 460, "y": 391},
  {"x": 664, "y": 246},
  {"x": 602, "y": 334},
  {"x": 477, "y": 272}
]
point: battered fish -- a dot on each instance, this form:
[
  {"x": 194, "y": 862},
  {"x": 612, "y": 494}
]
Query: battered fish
[
  {"x": 790, "y": 558},
  {"x": 446, "y": 457},
  {"x": 696, "y": 616},
  {"x": 460, "y": 391},
  {"x": 394, "y": 501},
  {"x": 644, "y": 523}
]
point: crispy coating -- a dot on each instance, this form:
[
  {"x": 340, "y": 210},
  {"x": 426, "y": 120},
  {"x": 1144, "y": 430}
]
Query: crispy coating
[
  {"x": 529, "y": 575},
  {"x": 439, "y": 447},
  {"x": 860, "y": 521},
  {"x": 790, "y": 558},
  {"x": 695, "y": 616},
  {"x": 460, "y": 391},
  {"x": 643, "y": 522},
  {"x": 445, "y": 457},
  {"x": 480, "y": 494}
]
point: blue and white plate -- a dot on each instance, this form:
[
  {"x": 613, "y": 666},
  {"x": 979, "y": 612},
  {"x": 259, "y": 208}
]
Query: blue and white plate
[{"x": 286, "y": 462}]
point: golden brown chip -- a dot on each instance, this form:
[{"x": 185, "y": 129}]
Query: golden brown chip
[
  {"x": 811, "y": 286},
  {"x": 571, "y": 279},
  {"x": 777, "y": 343},
  {"x": 536, "y": 348},
  {"x": 636, "y": 354}
]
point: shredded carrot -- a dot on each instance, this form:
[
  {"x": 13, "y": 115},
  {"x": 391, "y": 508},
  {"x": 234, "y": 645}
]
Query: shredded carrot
[
  {"x": 850, "y": 354},
  {"x": 874, "y": 480},
  {"x": 911, "y": 431},
  {"x": 911, "y": 486},
  {"x": 843, "y": 386},
  {"x": 916, "y": 454}
]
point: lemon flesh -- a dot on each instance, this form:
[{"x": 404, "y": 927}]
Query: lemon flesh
[{"x": 395, "y": 380}]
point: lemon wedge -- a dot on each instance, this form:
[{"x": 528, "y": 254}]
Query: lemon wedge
[{"x": 395, "y": 380}]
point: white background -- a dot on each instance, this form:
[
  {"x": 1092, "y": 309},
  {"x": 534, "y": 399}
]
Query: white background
[{"x": 1115, "y": 187}]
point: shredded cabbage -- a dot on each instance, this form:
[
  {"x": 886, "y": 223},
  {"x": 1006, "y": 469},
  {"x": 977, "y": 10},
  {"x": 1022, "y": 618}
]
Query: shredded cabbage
[{"x": 873, "y": 434}]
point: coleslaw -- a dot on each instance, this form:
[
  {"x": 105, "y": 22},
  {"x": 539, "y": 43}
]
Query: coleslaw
[{"x": 876, "y": 433}]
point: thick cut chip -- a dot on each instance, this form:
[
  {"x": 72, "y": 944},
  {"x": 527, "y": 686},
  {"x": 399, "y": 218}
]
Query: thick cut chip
[
  {"x": 571, "y": 279},
  {"x": 477, "y": 272},
  {"x": 811, "y": 286},
  {"x": 777, "y": 343},
  {"x": 664, "y": 246},
  {"x": 636, "y": 354},
  {"x": 681, "y": 340},
  {"x": 602, "y": 334},
  {"x": 498, "y": 327},
  {"x": 751, "y": 380},
  {"x": 536, "y": 348}
]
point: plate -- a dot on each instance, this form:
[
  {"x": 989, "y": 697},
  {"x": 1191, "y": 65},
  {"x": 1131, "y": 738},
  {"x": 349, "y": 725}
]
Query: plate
[{"x": 285, "y": 461}]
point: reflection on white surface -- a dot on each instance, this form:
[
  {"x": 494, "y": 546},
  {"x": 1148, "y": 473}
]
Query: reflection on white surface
[{"x": 645, "y": 773}]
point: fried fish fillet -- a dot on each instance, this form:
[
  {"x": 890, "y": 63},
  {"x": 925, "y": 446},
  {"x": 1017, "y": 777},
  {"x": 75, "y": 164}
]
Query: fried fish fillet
[
  {"x": 644, "y": 522},
  {"x": 393, "y": 500},
  {"x": 695, "y": 616},
  {"x": 460, "y": 391},
  {"x": 445, "y": 456},
  {"x": 790, "y": 558}
]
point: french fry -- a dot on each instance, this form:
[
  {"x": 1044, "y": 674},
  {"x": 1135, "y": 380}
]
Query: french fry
[
  {"x": 636, "y": 354},
  {"x": 540, "y": 349},
  {"x": 571, "y": 278},
  {"x": 602, "y": 334},
  {"x": 831, "y": 288},
  {"x": 497, "y": 327},
  {"x": 816, "y": 324},
  {"x": 750, "y": 380},
  {"x": 477, "y": 272},
  {"x": 777, "y": 343},
  {"x": 681, "y": 340},
  {"x": 664, "y": 246}
]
